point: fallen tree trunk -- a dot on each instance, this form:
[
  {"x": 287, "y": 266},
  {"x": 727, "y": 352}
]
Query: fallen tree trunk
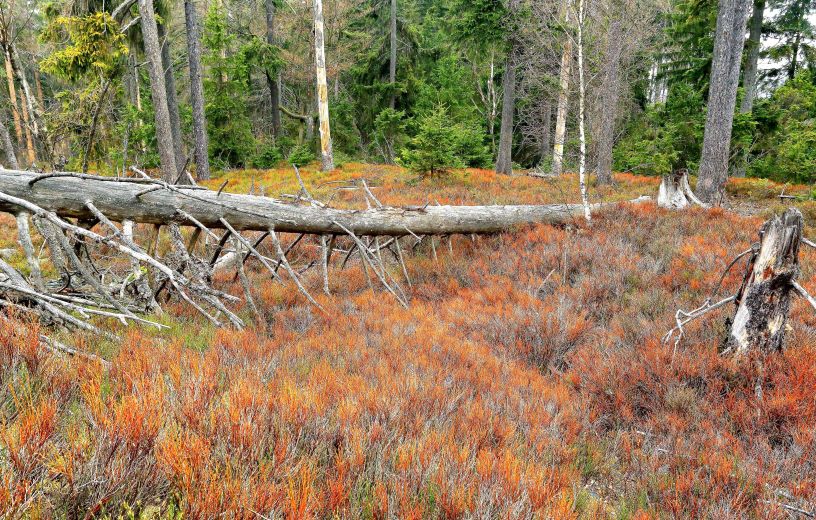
[{"x": 154, "y": 202}]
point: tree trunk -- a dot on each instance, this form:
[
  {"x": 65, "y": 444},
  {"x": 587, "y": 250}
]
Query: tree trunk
[
  {"x": 392, "y": 64},
  {"x": 504, "y": 159},
  {"x": 122, "y": 200},
  {"x": 322, "y": 89},
  {"x": 94, "y": 121},
  {"x": 610, "y": 89},
  {"x": 164, "y": 131},
  {"x": 172, "y": 98},
  {"x": 30, "y": 103},
  {"x": 272, "y": 82},
  {"x": 749, "y": 76},
  {"x": 728, "y": 43},
  {"x": 563, "y": 98},
  {"x": 202, "y": 159},
  {"x": 15, "y": 111},
  {"x": 545, "y": 131},
  {"x": 581, "y": 123},
  {"x": 764, "y": 298},
  {"x": 8, "y": 147}
]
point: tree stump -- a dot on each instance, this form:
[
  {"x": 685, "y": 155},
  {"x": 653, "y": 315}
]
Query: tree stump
[
  {"x": 763, "y": 301},
  {"x": 671, "y": 194}
]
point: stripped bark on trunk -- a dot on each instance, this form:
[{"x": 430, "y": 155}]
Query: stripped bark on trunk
[{"x": 326, "y": 153}]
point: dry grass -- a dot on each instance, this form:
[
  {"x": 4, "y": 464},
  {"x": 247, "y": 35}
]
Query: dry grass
[{"x": 527, "y": 379}]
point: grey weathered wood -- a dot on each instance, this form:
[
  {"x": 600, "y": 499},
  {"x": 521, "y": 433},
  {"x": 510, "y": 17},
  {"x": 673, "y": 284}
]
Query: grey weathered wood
[
  {"x": 8, "y": 147},
  {"x": 68, "y": 196},
  {"x": 563, "y": 97},
  {"x": 764, "y": 298},
  {"x": 326, "y": 152}
]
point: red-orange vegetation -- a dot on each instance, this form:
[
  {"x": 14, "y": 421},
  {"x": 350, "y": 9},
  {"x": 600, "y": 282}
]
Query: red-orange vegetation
[{"x": 526, "y": 379}]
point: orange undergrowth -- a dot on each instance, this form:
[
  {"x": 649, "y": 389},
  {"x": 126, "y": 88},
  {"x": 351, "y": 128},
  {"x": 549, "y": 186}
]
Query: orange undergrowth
[{"x": 526, "y": 379}]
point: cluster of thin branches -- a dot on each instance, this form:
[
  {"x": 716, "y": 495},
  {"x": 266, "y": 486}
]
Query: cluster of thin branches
[{"x": 92, "y": 283}]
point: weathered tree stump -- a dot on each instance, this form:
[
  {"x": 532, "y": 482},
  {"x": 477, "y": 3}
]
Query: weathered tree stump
[
  {"x": 763, "y": 301},
  {"x": 675, "y": 192},
  {"x": 670, "y": 194}
]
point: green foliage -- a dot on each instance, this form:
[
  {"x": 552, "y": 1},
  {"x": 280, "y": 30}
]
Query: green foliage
[
  {"x": 226, "y": 89},
  {"x": 439, "y": 146},
  {"x": 666, "y": 138},
  {"x": 268, "y": 156},
  {"x": 95, "y": 46},
  {"x": 788, "y": 151},
  {"x": 301, "y": 155}
]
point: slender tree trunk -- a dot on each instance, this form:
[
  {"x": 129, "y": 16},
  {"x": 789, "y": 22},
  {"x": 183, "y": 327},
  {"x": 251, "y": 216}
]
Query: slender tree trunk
[
  {"x": 8, "y": 147},
  {"x": 164, "y": 132},
  {"x": 749, "y": 75},
  {"x": 29, "y": 140},
  {"x": 563, "y": 99},
  {"x": 392, "y": 64},
  {"x": 94, "y": 121},
  {"x": 38, "y": 130},
  {"x": 581, "y": 114},
  {"x": 202, "y": 159},
  {"x": 545, "y": 131},
  {"x": 172, "y": 98},
  {"x": 15, "y": 111},
  {"x": 322, "y": 89},
  {"x": 504, "y": 159},
  {"x": 272, "y": 82},
  {"x": 728, "y": 44},
  {"x": 610, "y": 89},
  {"x": 38, "y": 86}
]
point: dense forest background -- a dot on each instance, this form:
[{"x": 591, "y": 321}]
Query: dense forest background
[{"x": 426, "y": 84}]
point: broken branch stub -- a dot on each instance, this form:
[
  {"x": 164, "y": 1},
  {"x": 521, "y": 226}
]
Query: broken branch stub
[{"x": 764, "y": 298}]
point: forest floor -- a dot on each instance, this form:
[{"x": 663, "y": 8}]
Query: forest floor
[{"x": 527, "y": 378}]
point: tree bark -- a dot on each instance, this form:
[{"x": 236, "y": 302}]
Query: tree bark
[
  {"x": 164, "y": 132},
  {"x": 322, "y": 89},
  {"x": 563, "y": 99},
  {"x": 749, "y": 76},
  {"x": 15, "y": 111},
  {"x": 581, "y": 116},
  {"x": 30, "y": 103},
  {"x": 504, "y": 159},
  {"x": 545, "y": 131},
  {"x": 392, "y": 64},
  {"x": 8, "y": 147},
  {"x": 202, "y": 159},
  {"x": 728, "y": 44},
  {"x": 120, "y": 201},
  {"x": 610, "y": 89},
  {"x": 172, "y": 97},
  {"x": 94, "y": 122},
  {"x": 272, "y": 82},
  {"x": 764, "y": 298}
]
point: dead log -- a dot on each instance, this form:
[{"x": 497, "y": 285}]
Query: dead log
[
  {"x": 763, "y": 300},
  {"x": 155, "y": 202}
]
